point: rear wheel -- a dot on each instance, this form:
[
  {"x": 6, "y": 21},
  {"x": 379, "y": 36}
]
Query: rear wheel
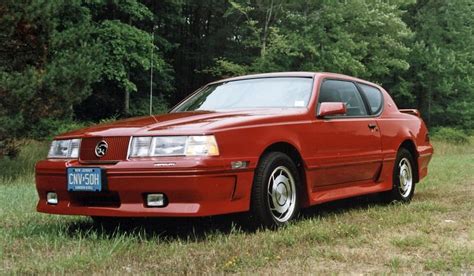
[
  {"x": 403, "y": 178},
  {"x": 274, "y": 193}
]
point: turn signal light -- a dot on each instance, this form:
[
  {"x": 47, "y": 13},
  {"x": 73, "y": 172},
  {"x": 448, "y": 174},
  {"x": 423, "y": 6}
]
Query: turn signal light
[{"x": 239, "y": 164}]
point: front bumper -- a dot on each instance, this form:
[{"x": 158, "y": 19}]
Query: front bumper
[{"x": 190, "y": 192}]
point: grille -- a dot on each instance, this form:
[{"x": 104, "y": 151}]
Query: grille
[{"x": 116, "y": 151}]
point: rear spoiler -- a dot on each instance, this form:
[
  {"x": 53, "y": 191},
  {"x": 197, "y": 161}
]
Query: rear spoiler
[{"x": 411, "y": 112}]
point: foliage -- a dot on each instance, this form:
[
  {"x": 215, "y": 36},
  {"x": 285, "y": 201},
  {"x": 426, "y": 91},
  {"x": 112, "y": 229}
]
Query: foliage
[
  {"x": 367, "y": 39},
  {"x": 442, "y": 61},
  {"x": 85, "y": 60},
  {"x": 30, "y": 152},
  {"x": 70, "y": 53},
  {"x": 47, "y": 128},
  {"x": 451, "y": 135},
  {"x": 141, "y": 106}
]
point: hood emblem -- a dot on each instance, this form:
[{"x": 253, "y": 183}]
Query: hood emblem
[{"x": 101, "y": 149}]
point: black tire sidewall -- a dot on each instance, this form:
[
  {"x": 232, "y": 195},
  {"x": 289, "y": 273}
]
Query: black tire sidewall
[
  {"x": 395, "y": 193},
  {"x": 260, "y": 208}
]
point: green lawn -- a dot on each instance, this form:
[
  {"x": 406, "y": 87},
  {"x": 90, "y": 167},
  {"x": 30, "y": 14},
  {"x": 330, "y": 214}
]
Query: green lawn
[{"x": 435, "y": 233}]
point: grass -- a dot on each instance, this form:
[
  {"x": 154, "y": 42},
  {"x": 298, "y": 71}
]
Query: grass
[{"x": 435, "y": 233}]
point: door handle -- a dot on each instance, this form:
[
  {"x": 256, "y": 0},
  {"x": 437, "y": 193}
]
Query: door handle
[{"x": 372, "y": 126}]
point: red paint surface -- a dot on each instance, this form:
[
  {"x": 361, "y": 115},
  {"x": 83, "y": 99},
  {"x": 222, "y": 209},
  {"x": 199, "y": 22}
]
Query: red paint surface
[{"x": 342, "y": 157}]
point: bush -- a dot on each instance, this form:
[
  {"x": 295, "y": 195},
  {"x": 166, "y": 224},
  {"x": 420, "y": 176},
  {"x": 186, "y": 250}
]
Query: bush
[
  {"x": 23, "y": 164},
  {"x": 451, "y": 135},
  {"x": 141, "y": 106},
  {"x": 46, "y": 129}
]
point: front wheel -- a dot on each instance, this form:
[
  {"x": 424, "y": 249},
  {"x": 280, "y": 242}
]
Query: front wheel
[
  {"x": 275, "y": 191},
  {"x": 403, "y": 178}
]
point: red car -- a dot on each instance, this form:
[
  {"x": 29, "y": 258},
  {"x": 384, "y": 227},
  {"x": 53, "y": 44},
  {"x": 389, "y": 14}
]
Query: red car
[{"x": 268, "y": 144}]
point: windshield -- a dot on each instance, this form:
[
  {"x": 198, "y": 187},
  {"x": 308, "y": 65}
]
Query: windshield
[{"x": 251, "y": 93}]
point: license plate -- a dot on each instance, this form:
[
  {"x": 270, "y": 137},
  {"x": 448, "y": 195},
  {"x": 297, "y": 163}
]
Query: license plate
[{"x": 84, "y": 179}]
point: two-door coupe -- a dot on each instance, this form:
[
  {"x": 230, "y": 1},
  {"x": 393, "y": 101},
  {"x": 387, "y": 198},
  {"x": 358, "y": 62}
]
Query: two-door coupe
[{"x": 266, "y": 144}]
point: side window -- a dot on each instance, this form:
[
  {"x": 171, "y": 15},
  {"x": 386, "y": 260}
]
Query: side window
[
  {"x": 343, "y": 91},
  {"x": 374, "y": 97}
]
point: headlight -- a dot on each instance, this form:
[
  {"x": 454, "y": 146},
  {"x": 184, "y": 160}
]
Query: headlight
[
  {"x": 201, "y": 145},
  {"x": 174, "y": 146},
  {"x": 64, "y": 148}
]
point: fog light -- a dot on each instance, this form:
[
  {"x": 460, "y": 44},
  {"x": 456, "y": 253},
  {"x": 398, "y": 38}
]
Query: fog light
[
  {"x": 155, "y": 200},
  {"x": 52, "y": 198},
  {"x": 239, "y": 164}
]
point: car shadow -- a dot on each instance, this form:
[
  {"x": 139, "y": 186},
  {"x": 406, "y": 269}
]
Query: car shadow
[
  {"x": 201, "y": 229},
  {"x": 165, "y": 229},
  {"x": 343, "y": 205}
]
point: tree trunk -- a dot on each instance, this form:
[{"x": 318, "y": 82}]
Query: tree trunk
[
  {"x": 265, "y": 29},
  {"x": 126, "y": 103}
]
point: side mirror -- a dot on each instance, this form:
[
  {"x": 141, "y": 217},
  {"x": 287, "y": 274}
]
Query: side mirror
[{"x": 328, "y": 109}]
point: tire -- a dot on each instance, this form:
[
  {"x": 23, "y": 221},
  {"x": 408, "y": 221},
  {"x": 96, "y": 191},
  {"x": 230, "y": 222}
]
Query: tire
[
  {"x": 274, "y": 199},
  {"x": 403, "y": 182}
]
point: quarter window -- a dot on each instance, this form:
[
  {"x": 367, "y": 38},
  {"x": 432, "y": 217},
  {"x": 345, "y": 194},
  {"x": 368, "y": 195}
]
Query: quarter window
[
  {"x": 343, "y": 91},
  {"x": 374, "y": 97}
]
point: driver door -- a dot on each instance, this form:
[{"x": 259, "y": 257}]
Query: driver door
[{"x": 346, "y": 148}]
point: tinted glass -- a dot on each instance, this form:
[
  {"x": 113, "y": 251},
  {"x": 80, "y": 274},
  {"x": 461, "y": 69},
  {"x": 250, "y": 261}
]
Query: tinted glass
[
  {"x": 374, "y": 97},
  {"x": 251, "y": 93},
  {"x": 343, "y": 91}
]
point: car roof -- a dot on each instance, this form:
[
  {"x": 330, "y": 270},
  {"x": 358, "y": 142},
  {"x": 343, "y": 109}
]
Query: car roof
[
  {"x": 294, "y": 74},
  {"x": 270, "y": 75}
]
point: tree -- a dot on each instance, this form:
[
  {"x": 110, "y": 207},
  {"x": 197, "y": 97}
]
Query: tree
[
  {"x": 367, "y": 39},
  {"x": 442, "y": 71},
  {"x": 123, "y": 31},
  {"x": 71, "y": 56},
  {"x": 90, "y": 60},
  {"x": 40, "y": 81}
]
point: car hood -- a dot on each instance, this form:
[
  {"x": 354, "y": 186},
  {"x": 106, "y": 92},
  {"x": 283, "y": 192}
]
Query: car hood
[{"x": 183, "y": 123}]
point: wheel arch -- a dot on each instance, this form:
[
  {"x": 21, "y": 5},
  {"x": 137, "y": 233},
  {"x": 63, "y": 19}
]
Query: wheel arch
[
  {"x": 293, "y": 152},
  {"x": 409, "y": 145}
]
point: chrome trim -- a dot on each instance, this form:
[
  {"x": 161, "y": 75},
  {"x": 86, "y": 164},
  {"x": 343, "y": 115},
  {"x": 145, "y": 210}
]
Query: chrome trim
[{"x": 97, "y": 147}]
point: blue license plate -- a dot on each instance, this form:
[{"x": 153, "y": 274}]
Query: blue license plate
[{"x": 84, "y": 179}]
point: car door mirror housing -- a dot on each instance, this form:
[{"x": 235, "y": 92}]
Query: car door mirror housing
[{"x": 330, "y": 109}]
